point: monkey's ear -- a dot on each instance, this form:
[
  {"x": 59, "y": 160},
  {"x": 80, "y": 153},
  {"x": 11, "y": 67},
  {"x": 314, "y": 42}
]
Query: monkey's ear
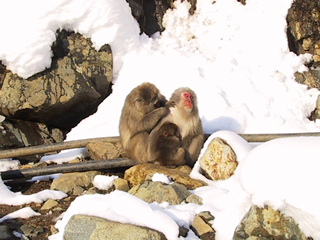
[{"x": 165, "y": 133}]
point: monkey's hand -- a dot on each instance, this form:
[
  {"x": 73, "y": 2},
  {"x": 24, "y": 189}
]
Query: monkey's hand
[{"x": 170, "y": 104}]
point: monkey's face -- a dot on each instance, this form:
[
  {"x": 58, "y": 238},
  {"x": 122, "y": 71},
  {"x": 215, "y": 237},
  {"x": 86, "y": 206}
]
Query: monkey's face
[
  {"x": 170, "y": 130},
  {"x": 188, "y": 100},
  {"x": 147, "y": 98},
  {"x": 185, "y": 99}
]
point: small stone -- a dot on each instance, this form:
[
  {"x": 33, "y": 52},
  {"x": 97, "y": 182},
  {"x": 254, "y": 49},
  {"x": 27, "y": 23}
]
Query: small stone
[
  {"x": 91, "y": 190},
  {"x": 121, "y": 184},
  {"x": 206, "y": 216},
  {"x": 49, "y": 204},
  {"x": 200, "y": 227},
  {"x": 194, "y": 199}
]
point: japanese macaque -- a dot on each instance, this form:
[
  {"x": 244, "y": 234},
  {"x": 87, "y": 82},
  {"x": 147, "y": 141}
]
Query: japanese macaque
[
  {"x": 143, "y": 109},
  {"x": 166, "y": 145},
  {"x": 185, "y": 115}
]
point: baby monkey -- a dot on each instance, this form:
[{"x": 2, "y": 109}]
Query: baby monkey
[{"x": 166, "y": 146}]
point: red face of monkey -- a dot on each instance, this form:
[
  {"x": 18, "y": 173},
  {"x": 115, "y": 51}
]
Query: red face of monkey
[{"x": 188, "y": 99}]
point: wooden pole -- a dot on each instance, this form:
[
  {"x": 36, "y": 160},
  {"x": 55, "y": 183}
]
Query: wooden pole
[
  {"x": 54, "y": 147},
  {"x": 83, "y": 143},
  {"x": 68, "y": 167}
]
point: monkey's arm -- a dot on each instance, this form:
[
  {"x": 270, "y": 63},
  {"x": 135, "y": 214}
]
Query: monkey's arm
[
  {"x": 149, "y": 121},
  {"x": 195, "y": 147}
]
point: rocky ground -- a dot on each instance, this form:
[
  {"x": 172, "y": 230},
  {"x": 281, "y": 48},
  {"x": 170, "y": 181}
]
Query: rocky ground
[{"x": 37, "y": 227}]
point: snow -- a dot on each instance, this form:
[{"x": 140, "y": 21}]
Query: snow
[
  {"x": 103, "y": 182},
  {"x": 160, "y": 177},
  {"x": 236, "y": 58},
  {"x": 25, "y": 212},
  {"x": 11, "y": 198}
]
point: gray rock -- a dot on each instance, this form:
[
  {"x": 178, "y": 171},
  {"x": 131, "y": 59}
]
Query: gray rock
[
  {"x": 160, "y": 192},
  {"x": 266, "y": 223},
  {"x": 31, "y": 230},
  {"x": 105, "y": 150},
  {"x": 17, "y": 134},
  {"x": 5, "y": 233},
  {"x": 73, "y": 182},
  {"x": 194, "y": 199},
  {"x": 93, "y": 228},
  {"x": 78, "y": 80}
]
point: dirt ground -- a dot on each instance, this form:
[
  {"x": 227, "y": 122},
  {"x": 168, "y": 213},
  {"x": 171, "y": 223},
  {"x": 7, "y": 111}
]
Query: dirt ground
[{"x": 42, "y": 226}]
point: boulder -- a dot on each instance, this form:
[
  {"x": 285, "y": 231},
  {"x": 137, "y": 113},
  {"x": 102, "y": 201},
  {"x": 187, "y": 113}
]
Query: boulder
[
  {"x": 266, "y": 223},
  {"x": 303, "y": 31},
  {"x": 78, "y": 80},
  {"x": 94, "y": 228},
  {"x": 73, "y": 182},
  {"x": 17, "y": 134},
  {"x": 105, "y": 150},
  {"x": 137, "y": 175},
  {"x": 219, "y": 160},
  {"x": 159, "y": 192},
  {"x": 149, "y": 14}
]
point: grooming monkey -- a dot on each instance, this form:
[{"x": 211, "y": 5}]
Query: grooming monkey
[{"x": 143, "y": 109}]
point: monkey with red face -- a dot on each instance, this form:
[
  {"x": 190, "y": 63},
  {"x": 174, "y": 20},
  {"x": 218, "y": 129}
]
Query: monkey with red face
[{"x": 185, "y": 115}]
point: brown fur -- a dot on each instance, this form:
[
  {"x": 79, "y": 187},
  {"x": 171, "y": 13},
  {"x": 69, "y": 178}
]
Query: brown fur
[
  {"x": 185, "y": 115},
  {"x": 143, "y": 109},
  {"x": 166, "y": 145}
]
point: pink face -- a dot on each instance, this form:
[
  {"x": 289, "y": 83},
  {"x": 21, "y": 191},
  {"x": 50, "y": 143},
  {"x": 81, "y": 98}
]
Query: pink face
[{"x": 188, "y": 99}]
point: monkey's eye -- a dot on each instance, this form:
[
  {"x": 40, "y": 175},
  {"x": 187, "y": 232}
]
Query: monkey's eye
[
  {"x": 157, "y": 104},
  {"x": 165, "y": 133},
  {"x": 188, "y": 96}
]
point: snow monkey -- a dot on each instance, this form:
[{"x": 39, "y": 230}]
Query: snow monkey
[
  {"x": 143, "y": 109},
  {"x": 166, "y": 145},
  {"x": 185, "y": 115}
]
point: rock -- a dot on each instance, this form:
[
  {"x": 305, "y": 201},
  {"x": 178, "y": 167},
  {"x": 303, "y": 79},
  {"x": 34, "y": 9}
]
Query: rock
[
  {"x": 137, "y": 175},
  {"x": 266, "y": 223},
  {"x": 73, "y": 182},
  {"x": 31, "y": 230},
  {"x": 219, "y": 161},
  {"x": 49, "y": 204},
  {"x": 194, "y": 199},
  {"x": 94, "y": 228},
  {"x": 121, "y": 184},
  {"x": 78, "y": 80},
  {"x": 202, "y": 229},
  {"x": 149, "y": 14},
  {"x": 303, "y": 32},
  {"x": 105, "y": 150},
  {"x": 160, "y": 192},
  {"x": 17, "y": 134},
  {"x": 5, "y": 233}
]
